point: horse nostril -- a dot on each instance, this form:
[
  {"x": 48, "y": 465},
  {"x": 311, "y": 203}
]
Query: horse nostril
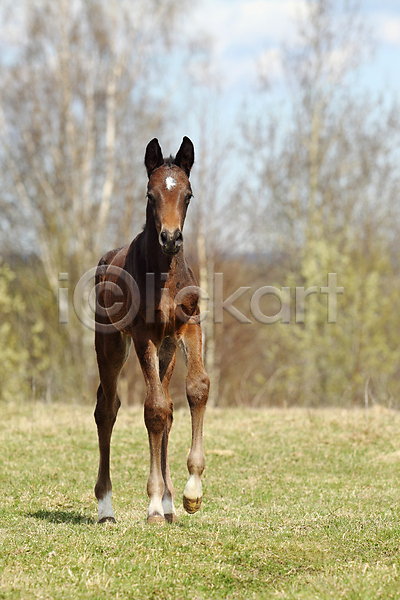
[
  {"x": 171, "y": 242},
  {"x": 178, "y": 237}
]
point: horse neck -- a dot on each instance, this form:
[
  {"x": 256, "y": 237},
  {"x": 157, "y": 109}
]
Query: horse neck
[{"x": 156, "y": 261}]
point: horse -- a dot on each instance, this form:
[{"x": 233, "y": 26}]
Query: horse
[{"x": 158, "y": 310}]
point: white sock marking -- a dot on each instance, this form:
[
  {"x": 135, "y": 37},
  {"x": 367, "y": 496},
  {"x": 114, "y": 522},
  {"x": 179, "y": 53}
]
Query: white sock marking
[
  {"x": 193, "y": 488},
  {"x": 155, "y": 507},
  {"x": 105, "y": 508},
  {"x": 170, "y": 182},
  {"x": 168, "y": 506}
]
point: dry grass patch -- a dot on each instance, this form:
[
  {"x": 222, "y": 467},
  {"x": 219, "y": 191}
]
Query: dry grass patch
[{"x": 298, "y": 504}]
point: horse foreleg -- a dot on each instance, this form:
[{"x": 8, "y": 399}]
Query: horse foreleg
[
  {"x": 157, "y": 414},
  {"x": 112, "y": 351},
  {"x": 105, "y": 416},
  {"x": 167, "y": 356},
  {"x": 197, "y": 388}
]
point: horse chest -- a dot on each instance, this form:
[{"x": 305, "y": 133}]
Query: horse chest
[
  {"x": 165, "y": 311},
  {"x": 171, "y": 298}
]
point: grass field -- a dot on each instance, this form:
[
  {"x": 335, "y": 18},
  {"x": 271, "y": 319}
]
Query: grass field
[{"x": 297, "y": 504}]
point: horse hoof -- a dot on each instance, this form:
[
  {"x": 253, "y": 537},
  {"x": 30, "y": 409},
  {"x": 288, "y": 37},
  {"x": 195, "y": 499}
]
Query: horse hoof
[
  {"x": 152, "y": 519},
  {"x": 191, "y": 506},
  {"x": 106, "y": 519},
  {"x": 170, "y": 518}
]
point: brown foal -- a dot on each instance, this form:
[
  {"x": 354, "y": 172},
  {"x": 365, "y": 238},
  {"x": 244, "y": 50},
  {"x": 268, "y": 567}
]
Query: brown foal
[{"x": 146, "y": 292}]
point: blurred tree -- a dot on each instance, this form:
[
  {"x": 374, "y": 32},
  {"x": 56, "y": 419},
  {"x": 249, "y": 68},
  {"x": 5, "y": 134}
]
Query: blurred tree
[
  {"x": 79, "y": 82},
  {"x": 208, "y": 229},
  {"x": 22, "y": 353},
  {"x": 323, "y": 200},
  {"x": 84, "y": 85},
  {"x": 208, "y": 222},
  {"x": 13, "y": 357}
]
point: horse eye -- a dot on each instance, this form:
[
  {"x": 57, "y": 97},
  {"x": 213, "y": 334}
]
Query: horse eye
[
  {"x": 188, "y": 198},
  {"x": 150, "y": 198}
]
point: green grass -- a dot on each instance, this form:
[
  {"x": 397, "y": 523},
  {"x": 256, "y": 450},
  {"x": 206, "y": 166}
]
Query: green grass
[{"x": 297, "y": 504}]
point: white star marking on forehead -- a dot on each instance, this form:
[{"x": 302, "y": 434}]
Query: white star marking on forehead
[{"x": 170, "y": 182}]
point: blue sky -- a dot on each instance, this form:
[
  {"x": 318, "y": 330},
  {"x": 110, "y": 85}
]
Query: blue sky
[{"x": 243, "y": 32}]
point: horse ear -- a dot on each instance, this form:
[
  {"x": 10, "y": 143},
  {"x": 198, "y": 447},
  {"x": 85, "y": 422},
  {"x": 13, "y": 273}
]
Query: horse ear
[
  {"x": 153, "y": 157},
  {"x": 185, "y": 157}
]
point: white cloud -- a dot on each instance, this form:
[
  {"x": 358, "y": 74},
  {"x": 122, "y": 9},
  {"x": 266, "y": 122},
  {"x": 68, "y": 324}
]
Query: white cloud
[
  {"x": 246, "y": 35},
  {"x": 270, "y": 64},
  {"x": 389, "y": 30},
  {"x": 271, "y": 21},
  {"x": 243, "y": 31}
]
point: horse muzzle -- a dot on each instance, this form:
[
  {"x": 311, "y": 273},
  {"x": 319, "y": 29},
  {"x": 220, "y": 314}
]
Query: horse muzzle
[{"x": 171, "y": 242}]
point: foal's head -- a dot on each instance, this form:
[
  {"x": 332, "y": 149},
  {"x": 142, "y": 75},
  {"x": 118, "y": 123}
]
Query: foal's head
[{"x": 169, "y": 192}]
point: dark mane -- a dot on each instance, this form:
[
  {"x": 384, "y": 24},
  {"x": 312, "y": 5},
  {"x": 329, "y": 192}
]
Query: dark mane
[{"x": 170, "y": 161}]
